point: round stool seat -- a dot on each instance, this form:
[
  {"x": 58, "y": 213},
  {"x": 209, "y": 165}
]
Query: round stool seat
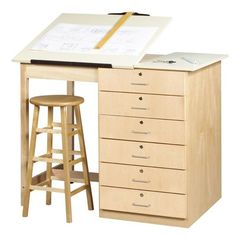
[{"x": 57, "y": 100}]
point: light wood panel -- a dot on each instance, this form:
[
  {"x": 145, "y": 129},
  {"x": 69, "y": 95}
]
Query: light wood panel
[
  {"x": 151, "y": 219},
  {"x": 141, "y": 105},
  {"x": 142, "y": 153},
  {"x": 140, "y": 177},
  {"x": 203, "y": 139},
  {"x": 71, "y": 73},
  {"x": 142, "y": 129},
  {"x": 142, "y": 81},
  {"x": 144, "y": 202}
]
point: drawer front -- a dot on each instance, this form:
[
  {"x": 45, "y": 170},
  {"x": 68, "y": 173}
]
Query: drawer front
[
  {"x": 145, "y": 154},
  {"x": 141, "y": 105},
  {"x": 143, "y": 202},
  {"x": 139, "y": 129},
  {"x": 146, "y": 178},
  {"x": 142, "y": 81}
]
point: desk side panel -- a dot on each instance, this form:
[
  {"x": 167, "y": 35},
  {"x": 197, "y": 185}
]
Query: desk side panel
[{"x": 203, "y": 133}]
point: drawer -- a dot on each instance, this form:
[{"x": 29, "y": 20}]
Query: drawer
[
  {"x": 143, "y": 202},
  {"x": 141, "y": 105},
  {"x": 142, "y": 129},
  {"x": 142, "y": 81},
  {"x": 142, "y": 153},
  {"x": 146, "y": 178}
]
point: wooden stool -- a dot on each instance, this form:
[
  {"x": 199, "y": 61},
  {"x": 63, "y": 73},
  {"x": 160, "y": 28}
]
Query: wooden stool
[{"x": 67, "y": 131}]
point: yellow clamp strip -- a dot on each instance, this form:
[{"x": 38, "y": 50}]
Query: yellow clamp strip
[{"x": 118, "y": 24}]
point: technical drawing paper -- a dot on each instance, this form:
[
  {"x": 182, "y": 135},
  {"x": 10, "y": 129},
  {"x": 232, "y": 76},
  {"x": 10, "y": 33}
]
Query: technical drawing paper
[{"x": 77, "y": 38}]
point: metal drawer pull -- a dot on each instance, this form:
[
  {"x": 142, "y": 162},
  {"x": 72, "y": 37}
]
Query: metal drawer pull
[
  {"x": 141, "y": 181},
  {"x": 141, "y": 157},
  {"x": 141, "y": 205},
  {"x": 140, "y": 84},
  {"x": 139, "y": 108},
  {"x": 140, "y": 132}
]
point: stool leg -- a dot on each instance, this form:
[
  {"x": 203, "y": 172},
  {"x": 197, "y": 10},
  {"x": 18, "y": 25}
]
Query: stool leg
[
  {"x": 49, "y": 151},
  {"x": 70, "y": 117},
  {"x": 85, "y": 162},
  {"x": 30, "y": 162},
  {"x": 65, "y": 146}
]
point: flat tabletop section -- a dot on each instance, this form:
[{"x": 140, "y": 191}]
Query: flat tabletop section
[
  {"x": 179, "y": 61},
  {"x": 96, "y": 57}
]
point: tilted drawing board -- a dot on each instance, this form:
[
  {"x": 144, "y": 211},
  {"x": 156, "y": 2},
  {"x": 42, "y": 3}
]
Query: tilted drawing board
[{"x": 71, "y": 39}]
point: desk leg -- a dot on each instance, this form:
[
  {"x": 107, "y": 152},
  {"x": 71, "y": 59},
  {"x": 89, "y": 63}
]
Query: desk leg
[
  {"x": 70, "y": 91},
  {"x": 24, "y": 105}
]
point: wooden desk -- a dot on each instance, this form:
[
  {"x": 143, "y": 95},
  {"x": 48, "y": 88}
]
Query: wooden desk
[{"x": 159, "y": 139}]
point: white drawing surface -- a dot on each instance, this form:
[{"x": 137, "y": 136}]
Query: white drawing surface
[{"x": 78, "y": 38}]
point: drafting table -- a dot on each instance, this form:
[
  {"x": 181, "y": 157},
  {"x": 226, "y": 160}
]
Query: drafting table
[{"x": 159, "y": 124}]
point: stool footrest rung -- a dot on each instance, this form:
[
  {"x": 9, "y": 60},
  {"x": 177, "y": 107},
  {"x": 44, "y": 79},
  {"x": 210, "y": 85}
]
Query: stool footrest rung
[
  {"x": 77, "y": 190},
  {"x": 61, "y": 178},
  {"x": 57, "y": 124},
  {"x": 48, "y": 130},
  {"x": 76, "y": 161},
  {"x": 59, "y": 151},
  {"x": 41, "y": 188},
  {"x": 42, "y": 157},
  {"x": 47, "y": 158}
]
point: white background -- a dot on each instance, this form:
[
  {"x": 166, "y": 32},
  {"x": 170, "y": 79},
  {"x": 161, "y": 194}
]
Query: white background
[{"x": 197, "y": 26}]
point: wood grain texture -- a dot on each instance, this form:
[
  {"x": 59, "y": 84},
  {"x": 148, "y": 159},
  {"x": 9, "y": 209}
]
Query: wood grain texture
[
  {"x": 140, "y": 177},
  {"x": 142, "y": 81},
  {"x": 141, "y": 105},
  {"x": 203, "y": 137},
  {"x": 201, "y": 91},
  {"x": 144, "y": 202},
  {"x": 142, "y": 153},
  {"x": 69, "y": 73},
  {"x": 142, "y": 129},
  {"x": 151, "y": 219}
]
